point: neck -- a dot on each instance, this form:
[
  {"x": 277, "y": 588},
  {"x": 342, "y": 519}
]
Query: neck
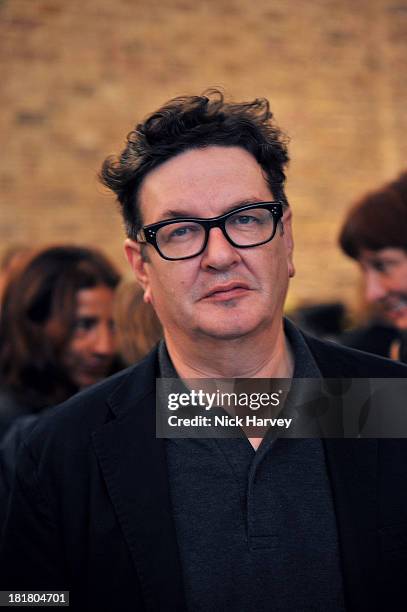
[{"x": 260, "y": 356}]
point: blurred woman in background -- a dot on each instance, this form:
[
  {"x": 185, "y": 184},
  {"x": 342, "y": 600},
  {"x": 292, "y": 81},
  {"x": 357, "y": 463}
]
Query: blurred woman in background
[
  {"x": 56, "y": 329},
  {"x": 374, "y": 234}
]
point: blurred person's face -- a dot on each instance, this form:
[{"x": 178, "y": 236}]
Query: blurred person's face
[
  {"x": 91, "y": 349},
  {"x": 385, "y": 276},
  {"x": 225, "y": 292}
]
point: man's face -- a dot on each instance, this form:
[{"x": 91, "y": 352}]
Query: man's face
[
  {"x": 385, "y": 274},
  {"x": 225, "y": 292},
  {"x": 89, "y": 354}
]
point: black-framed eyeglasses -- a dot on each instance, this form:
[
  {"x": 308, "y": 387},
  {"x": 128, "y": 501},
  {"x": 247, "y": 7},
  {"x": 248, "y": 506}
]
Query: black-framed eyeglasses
[{"x": 244, "y": 227}]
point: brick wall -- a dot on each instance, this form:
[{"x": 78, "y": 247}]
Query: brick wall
[{"x": 76, "y": 75}]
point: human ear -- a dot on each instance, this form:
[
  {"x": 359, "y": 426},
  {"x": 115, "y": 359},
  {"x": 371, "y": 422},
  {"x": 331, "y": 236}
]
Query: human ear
[{"x": 139, "y": 264}]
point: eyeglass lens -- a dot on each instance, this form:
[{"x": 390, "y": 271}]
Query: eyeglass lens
[{"x": 186, "y": 238}]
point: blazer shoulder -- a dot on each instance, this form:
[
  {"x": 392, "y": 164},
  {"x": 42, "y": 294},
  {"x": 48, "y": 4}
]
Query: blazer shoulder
[
  {"x": 335, "y": 360},
  {"x": 76, "y": 418}
]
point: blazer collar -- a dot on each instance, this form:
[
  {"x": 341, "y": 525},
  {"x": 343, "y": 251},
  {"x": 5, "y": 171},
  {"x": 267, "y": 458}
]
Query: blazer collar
[{"x": 133, "y": 463}]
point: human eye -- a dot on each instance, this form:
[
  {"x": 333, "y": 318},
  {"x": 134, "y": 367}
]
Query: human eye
[
  {"x": 383, "y": 266},
  {"x": 245, "y": 220},
  {"x": 180, "y": 232},
  {"x": 379, "y": 266},
  {"x": 248, "y": 219},
  {"x": 84, "y": 324}
]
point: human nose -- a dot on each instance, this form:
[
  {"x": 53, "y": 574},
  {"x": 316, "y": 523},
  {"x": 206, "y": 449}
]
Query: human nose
[
  {"x": 219, "y": 254},
  {"x": 375, "y": 287},
  {"x": 105, "y": 343}
]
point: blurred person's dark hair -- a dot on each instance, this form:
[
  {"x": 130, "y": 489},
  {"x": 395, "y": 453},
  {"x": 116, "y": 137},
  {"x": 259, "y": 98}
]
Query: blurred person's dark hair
[
  {"x": 378, "y": 220},
  {"x": 194, "y": 122},
  {"x": 37, "y": 320},
  {"x": 137, "y": 326}
]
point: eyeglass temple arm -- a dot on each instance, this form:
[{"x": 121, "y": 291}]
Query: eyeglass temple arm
[
  {"x": 280, "y": 221},
  {"x": 140, "y": 236}
]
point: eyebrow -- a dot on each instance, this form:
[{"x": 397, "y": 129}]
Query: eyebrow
[{"x": 183, "y": 214}]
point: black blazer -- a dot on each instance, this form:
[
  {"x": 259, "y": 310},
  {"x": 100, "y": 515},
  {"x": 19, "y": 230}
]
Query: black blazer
[{"x": 90, "y": 509}]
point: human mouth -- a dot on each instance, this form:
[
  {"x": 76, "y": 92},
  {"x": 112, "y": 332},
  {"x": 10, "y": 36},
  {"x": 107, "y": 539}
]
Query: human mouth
[
  {"x": 396, "y": 307},
  {"x": 227, "y": 291}
]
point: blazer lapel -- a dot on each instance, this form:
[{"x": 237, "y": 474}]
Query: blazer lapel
[
  {"x": 352, "y": 466},
  {"x": 133, "y": 463}
]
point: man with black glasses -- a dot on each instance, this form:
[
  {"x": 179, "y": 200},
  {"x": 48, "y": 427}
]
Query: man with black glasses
[{"x": 129, "y": 521}]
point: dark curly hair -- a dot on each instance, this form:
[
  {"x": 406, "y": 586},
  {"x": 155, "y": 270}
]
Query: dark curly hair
[
  {"x": 378, "y": 220},
  {"x": 193, "y": 122}
]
